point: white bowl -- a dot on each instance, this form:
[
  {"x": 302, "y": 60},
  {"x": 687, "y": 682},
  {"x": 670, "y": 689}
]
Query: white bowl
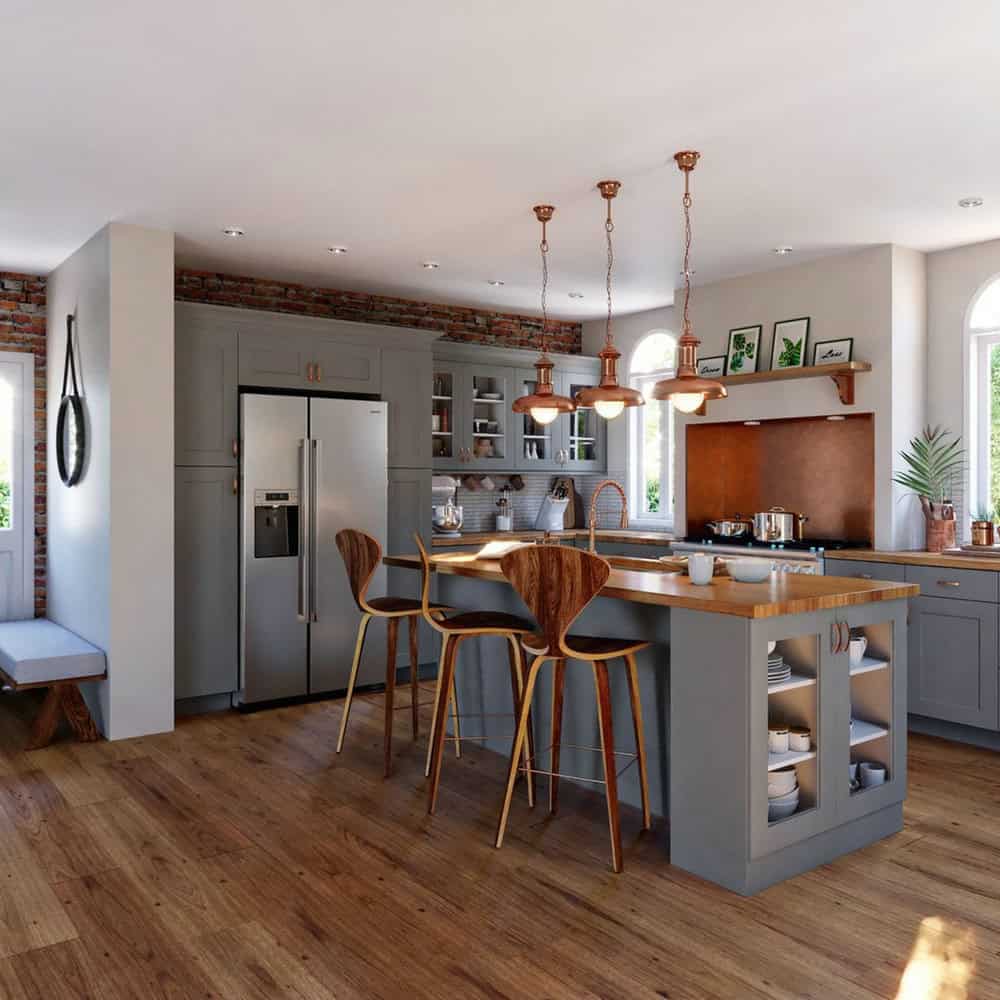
[
  {"x": 782, "y": 781},
  {"x": 749, "y": 570},
  {"x": 792, "y": 796},
  {"x": 771, "y": 647},
  {"x": 781, "y": 811}
]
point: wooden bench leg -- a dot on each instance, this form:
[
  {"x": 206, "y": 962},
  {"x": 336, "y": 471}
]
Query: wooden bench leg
[{"x": 62, "y": 699}]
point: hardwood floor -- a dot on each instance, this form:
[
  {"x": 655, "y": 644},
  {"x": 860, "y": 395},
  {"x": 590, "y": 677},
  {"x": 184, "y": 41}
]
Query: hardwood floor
[{"x": 238, "y": 857}]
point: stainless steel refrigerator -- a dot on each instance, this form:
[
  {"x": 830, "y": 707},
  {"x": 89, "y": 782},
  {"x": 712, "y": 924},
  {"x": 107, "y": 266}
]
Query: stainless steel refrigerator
[{"x": 310, "y": 466}]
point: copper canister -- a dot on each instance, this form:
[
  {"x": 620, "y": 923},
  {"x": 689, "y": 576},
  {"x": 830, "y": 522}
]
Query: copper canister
[{"x": 982, "y": 532}]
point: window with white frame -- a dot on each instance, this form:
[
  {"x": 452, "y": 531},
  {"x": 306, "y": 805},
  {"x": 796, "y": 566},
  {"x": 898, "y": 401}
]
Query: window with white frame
[
  {"x": 651, "y": 432},
  {"x": 984, "y": 327}
]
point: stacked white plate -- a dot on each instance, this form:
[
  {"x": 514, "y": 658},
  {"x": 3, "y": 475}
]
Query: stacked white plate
[
  {"x": 777, "y": 670},
  {"x": 782, "y": 793}
]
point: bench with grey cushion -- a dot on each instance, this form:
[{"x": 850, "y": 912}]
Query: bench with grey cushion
[{"x": 38, "y": 653}]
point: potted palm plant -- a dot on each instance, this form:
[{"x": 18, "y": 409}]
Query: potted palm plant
[{"x": 933, "y": 464}]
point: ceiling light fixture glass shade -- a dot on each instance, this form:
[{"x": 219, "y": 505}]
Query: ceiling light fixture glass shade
[
  {"x": 609, "y": 398},
  {"x": 544, "y": 404},
  {"x": 687, "y": 390}
]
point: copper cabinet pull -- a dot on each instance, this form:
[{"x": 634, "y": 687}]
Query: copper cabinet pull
[
  {"x": 309, "y": 372},
  {"x": 864, "y": 576},
  {"x": 236, "y": 485},
  {"x": 949, "y": 583},
  {"x": 847, "y": 637},
  {"x": 835, "y": 637},
  {"x": 236, "y": 448},
  {"x": 318, "y": 368}
]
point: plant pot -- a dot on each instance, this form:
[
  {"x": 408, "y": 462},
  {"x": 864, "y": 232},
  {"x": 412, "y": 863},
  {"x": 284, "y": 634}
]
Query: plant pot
[
  {"x": 940, "y": 535},
  {"x": 982, "y": 533}
]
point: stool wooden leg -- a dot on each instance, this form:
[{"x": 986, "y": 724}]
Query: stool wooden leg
[
  {"x": 441, "y": 711},
  {"x": 640, "y": 738},
  {"x": 77, "y": 714},
  {"x": 455, "y": 724},
  {"x": 414, "y": 679},
  {"x": 44, "y": 726},
  {"x": 434, "y": 715},
  {"x": 517, "y": 689},
  {"x": 358, "y": 647},
  {"x": 608, "y": 751},
  {"x": 558, "y": 678},
  {"x": 518, "y": 745},
  {"x": 392, "y": 632}
]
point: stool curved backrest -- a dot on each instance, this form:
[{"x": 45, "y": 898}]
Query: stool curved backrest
[
  {"x": 556, "y": 583},
  {"x": 425, "y": 584},
  {"x": 361, "y": 554}
]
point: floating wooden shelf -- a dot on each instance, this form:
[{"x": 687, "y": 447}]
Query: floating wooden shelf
[{"x": 842, "y": 375}]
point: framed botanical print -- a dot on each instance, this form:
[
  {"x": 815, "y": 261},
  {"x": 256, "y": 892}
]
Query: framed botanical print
[
  {"x": 788, "y": 349},
  {"x": 833, "y": 352},
  {"x": 744, "y": 349},
  {"x": 712, "y": 367}
]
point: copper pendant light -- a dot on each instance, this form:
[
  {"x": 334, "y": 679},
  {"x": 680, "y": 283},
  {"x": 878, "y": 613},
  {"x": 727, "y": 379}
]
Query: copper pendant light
[
  {"x": 543, "y": 404},
  {"x": 687, "y": 390},
  {"x": 609, "y": 398}
]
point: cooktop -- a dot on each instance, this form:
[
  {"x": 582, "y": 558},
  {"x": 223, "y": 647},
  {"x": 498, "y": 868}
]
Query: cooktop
[{"x": 805, "y": 545}]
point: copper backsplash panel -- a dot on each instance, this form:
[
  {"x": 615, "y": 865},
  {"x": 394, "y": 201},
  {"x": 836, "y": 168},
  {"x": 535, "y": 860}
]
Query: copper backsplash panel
[{"x": 822, "y": 468}]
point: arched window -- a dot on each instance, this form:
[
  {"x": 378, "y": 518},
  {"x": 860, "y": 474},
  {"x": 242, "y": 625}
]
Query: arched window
[
  {"x": 651, "y": 432},
  {"x": 984, "y": 329}
]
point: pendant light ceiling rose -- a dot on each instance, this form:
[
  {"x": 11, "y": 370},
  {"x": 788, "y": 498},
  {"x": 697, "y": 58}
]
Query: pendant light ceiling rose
[
  {"x": 544, "y": 405},
  {"x": 609, "y": 398},
  {"x": 687, "y": 390}
]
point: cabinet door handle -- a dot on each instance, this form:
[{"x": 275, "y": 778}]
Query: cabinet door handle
[
  {"x": 236, "y": 485},
  {"x": 846, "y": 645},
  {"x": 835, "y": 637},
  {"x": 318, "y": 370},
  {"x": 309, "y": 372},
  {"x": 236, "y": 448},
  {"x": 949, "y": 583},
  {"x": 864, "y": 576}
]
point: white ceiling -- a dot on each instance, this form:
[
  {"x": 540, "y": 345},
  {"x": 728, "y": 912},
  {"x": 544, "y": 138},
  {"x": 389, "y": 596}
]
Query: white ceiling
[{"x": 408, "y": 131}]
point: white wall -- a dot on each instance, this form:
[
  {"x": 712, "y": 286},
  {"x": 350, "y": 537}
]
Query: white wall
[
  {"x": 953, "y": 279},
  {"x": 847, "y": 295},
  {"x": 110, "y": 574}
]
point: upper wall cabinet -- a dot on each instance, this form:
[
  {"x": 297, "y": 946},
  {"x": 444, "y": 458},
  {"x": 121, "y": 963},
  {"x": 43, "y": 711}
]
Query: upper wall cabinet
[
  {"x": 406, "y": 384},
  {"x": 308, "y": 361},
  {"x": 205, "y": 408}
]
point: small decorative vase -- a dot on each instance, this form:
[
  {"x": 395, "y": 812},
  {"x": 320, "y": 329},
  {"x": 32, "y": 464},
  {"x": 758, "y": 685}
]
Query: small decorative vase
[
  {"x": 982, "y": 533},
  {"x": 940, "y": 534}
]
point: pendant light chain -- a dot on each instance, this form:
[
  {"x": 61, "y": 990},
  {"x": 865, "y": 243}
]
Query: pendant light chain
[
  {"x": 687, "y": 250},
  {"x": 609, "y": 228},
  {"x": 544, "y": 248}
]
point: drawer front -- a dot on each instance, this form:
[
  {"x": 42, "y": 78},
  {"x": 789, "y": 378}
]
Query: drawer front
[
  {"x": 862, "y": 570},
  {"x": 961, "y": 584}
]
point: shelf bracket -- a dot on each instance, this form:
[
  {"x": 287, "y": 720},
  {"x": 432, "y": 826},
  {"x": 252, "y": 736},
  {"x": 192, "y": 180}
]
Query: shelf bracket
[{"x": 844, "y": 382}]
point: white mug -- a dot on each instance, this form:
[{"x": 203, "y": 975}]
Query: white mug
[
  {"x": 857, "y": 649},
  {"x": 799, "y": 739},
  {"x": 701, "y": 566},
  {"x": 871, "y": 774},
  {"x": 777, "y": 740}
]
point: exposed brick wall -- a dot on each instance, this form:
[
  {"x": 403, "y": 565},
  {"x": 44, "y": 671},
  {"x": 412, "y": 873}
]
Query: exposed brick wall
[
  {"x": 458, "y": 323},
  {"x": 22, "y": 328}
]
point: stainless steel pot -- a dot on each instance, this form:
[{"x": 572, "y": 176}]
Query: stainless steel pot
[
  {"x": 778, "y": 525},
  {"x": 732, "y": 527}
]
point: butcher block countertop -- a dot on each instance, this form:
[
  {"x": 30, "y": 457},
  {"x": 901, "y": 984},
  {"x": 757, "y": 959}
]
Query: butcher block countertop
[
  {"x": 919, "y": 558},
  {"x": 602, "y": 535},
  {"x": 783, "y": 594}
]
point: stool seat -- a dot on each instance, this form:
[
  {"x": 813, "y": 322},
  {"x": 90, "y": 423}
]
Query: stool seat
[
  {"x": 401, "y": 605},
  {"x": 475, "y": 621},
  {"x": 584, "y": 647}
]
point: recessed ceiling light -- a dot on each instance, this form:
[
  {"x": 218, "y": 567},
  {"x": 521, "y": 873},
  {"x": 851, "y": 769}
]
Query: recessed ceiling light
[
  {"x": 337, "y": 250},
  {"x": 782, "y": 251},
  {"x": 576, "y": 295},
  {"x": 972, "y": 202},
  {"x": 430, "y": 265},
  {"x": 234, "y": 232},
  {"x": 496, "y": 283}
]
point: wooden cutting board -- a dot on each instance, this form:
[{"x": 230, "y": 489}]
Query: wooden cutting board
[
  {"x": 974, "y": 550},
  {"x": 573, "y": 515}
]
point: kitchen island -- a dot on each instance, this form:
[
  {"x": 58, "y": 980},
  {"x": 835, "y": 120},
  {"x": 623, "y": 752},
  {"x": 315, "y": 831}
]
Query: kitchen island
[{"x": 707, "y": 703}]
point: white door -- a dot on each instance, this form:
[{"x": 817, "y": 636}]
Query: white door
[{"x": 17, "y": 485}]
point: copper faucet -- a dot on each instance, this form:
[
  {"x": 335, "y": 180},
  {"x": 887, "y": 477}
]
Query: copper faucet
[{"x": 601, "y": 486}]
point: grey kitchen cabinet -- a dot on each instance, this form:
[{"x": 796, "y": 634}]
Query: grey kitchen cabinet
[
  {"x": 862, "y": 570},
  {"x": 407, "y": 379},
  {"x": 312, "y": 361},
  {"x": 537, "y": 447},
  {"x": 584, "y": 432},
  {"x": 409, "y": 512},
  {"x": 206, "y": 518},
  {"x": 487, "y": 394},
  {"x": 206, "y": 395},
  {"x": 954, "y": 660},
  {"x": 447, "y": 415}
]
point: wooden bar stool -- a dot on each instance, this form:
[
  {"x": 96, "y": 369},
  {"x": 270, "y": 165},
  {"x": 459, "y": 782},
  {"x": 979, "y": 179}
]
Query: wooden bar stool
[
  {"x": 454, "y": 631},
  {"x": 362, "y": 554},
  {"x": 556, "y": 584}
]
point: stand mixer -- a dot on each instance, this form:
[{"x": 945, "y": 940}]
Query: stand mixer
[{"x": 447, "y": 516}]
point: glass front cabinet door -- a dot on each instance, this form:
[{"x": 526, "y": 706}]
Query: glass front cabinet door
[
  {"x": 447, "y": 415},
  {"x": 585, "y": 433},
  {"x": 537, "y": 445},
  {"x": 489, "y": 435}
]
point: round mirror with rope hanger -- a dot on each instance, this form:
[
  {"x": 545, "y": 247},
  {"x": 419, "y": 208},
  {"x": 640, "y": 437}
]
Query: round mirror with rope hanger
[{"x": 71, "y": 430}]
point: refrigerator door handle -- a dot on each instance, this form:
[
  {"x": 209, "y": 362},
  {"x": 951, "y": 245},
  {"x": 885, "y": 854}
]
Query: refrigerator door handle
[
  {"x": 305, "y": 531},
  {"x": 316, "y": 453}
]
